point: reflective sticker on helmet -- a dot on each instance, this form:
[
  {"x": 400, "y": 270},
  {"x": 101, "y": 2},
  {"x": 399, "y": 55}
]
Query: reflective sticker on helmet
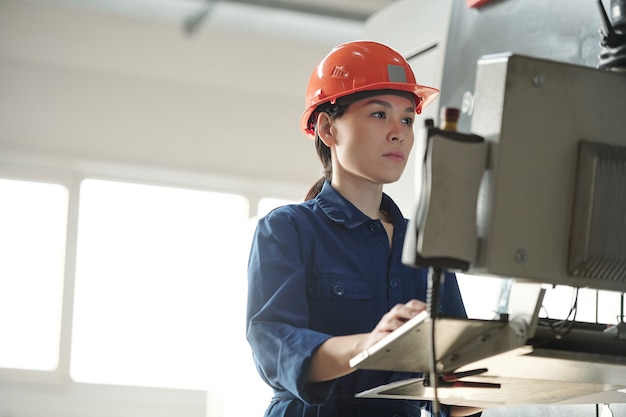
[{"x": 396, "y": 73}]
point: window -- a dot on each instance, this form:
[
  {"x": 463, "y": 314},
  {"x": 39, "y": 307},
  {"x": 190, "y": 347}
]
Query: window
[
  {"x": 484, "y": 297},
  {"x": 591, "y": 306},
  {"x": 160, "y": 285},
  {"x": 154, "y": 280},
  {"x": 268, "y": 204},
  {"x": 159, "y": 293},
  {"x": 33, "y": 218}
]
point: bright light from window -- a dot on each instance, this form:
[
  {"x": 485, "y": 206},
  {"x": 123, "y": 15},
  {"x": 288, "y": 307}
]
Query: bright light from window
[
  {"x": 33, "y": 219},
  {"x": 160, "y": 283},
  {"x": 592, "y": 306},
  {"x": 483, "y": 297},
  {"x": 268, "y": 204}
]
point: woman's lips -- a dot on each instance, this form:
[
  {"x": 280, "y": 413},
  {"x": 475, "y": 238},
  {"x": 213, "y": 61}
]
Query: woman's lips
[{"x": 395, "y": 156}]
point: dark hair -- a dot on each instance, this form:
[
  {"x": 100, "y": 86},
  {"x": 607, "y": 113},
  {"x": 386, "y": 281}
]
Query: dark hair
[
  {"x": 323, "y": 151},
  {"x": 334, "y": 111}
]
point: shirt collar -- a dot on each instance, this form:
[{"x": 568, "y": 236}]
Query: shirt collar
[{"x": 342, "y": 211}]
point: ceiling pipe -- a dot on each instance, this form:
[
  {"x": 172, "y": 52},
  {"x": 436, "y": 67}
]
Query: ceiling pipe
[{"x": 192, "y": 23}]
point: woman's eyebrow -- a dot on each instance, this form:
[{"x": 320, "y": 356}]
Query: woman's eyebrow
[{"x": 387, "y": 104}]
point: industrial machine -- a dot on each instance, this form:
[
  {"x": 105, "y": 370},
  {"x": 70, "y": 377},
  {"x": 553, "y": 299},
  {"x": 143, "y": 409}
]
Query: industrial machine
[{"x": 537, "y": 194}]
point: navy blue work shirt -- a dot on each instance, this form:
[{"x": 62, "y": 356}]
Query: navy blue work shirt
[{"x": 319, "y": 269}]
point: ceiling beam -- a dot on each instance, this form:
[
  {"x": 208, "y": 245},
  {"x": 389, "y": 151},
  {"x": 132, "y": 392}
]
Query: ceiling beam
[{"x": 331, "y": 9}]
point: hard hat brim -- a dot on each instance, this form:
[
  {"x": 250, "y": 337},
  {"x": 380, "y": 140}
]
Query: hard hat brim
[{"x": 424, "y": 96}]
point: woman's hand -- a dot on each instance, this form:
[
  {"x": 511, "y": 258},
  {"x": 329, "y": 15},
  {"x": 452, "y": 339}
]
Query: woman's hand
[
  {"x": 332, "y": 359},
  {"x": 396, "y": 317}
]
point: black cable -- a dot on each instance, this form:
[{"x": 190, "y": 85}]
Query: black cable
[{"x": 562, "y": 328}]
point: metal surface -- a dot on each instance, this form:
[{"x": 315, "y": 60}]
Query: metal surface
[
  {"x": 534, "y": 113},
  {"x": 457, "y": 341},
  {"x": 521, "y": 362},
  {"x": 565, "y": 31},
  {"x": 598, "y": 244},
  {"x": 527, "y": 375},
  {"x": 445, "y": 222}
]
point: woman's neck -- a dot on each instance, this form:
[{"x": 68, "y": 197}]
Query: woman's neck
[{"x": 365, "y": 196}]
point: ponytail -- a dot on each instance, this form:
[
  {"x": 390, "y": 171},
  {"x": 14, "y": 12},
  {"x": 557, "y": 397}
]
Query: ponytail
[
  {"x": 323, "y": 152},
  {"x": 315, "y": 189}
]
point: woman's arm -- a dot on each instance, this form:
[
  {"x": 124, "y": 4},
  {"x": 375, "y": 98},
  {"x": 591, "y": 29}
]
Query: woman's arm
[{"x": 332, "y": 359}]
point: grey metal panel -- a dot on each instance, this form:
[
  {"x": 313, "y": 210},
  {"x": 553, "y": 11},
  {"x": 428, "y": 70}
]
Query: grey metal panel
[
  {"x": 579, "y": 410},
  {"x": 560, "y": 30},
  {"x": 518, "y": 365},
  {"x": 526, "y": 376},
  {"x": 457, "y": 342},
  {"x": 598, "y": 244},
  {"x": 534, "y": 113}
]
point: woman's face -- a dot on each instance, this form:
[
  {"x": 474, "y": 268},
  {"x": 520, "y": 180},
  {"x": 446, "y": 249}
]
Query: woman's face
[{"x": 372, "y": 140}]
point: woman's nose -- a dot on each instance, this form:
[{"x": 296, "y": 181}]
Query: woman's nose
[{"x": 396, "y": 132}]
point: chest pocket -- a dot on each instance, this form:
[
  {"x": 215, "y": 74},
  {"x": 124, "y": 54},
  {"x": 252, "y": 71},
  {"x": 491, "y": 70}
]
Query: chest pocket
[
  {"x": 338, "y": 288},
  {"x": 339, "y": 305}
]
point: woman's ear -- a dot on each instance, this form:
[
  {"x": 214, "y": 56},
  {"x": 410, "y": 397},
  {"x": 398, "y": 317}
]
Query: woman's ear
[{"x": 324, "y": 131}]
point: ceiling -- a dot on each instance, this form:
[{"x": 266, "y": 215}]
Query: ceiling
[
  {"x": 340, "y": 15},
  {"x": 355, "y": 10},
  {"x": 346, "y": 9}
]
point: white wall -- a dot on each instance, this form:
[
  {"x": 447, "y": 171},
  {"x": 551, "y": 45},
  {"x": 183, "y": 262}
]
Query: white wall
[{"x": 77, "y": 84}]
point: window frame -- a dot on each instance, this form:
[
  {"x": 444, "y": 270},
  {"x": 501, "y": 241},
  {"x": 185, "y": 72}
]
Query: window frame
[{"x": 26, "y": 391}]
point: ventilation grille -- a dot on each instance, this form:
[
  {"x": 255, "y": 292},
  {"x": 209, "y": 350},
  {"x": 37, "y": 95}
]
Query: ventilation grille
[{"x": 598, "y": 240}]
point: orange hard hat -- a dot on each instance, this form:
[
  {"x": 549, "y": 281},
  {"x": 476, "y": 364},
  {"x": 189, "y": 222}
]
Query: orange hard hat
[{"x": 360, "y": 66}]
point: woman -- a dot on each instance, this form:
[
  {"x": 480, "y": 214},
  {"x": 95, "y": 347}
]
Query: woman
[{"x": 325, "y": 276}]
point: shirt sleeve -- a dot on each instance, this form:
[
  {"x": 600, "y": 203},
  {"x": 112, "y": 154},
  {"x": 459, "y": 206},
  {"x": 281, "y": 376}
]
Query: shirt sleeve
[{"x": 277, "y": 309}]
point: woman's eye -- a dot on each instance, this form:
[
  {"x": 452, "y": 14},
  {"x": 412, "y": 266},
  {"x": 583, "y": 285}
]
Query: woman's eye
[
  {"x": 379, "y": 114},
  {"x": 408, "y": 121}
]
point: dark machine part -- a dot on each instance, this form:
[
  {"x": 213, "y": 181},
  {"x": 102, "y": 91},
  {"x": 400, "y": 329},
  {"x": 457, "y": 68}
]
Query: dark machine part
[{"x": 613, "y": 44}]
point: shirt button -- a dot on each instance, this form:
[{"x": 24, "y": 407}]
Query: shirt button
[
  {"x": 339, "y": 290},
  {"x": 393, "y": 284},
  {"x": 374, "y": 227}
]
